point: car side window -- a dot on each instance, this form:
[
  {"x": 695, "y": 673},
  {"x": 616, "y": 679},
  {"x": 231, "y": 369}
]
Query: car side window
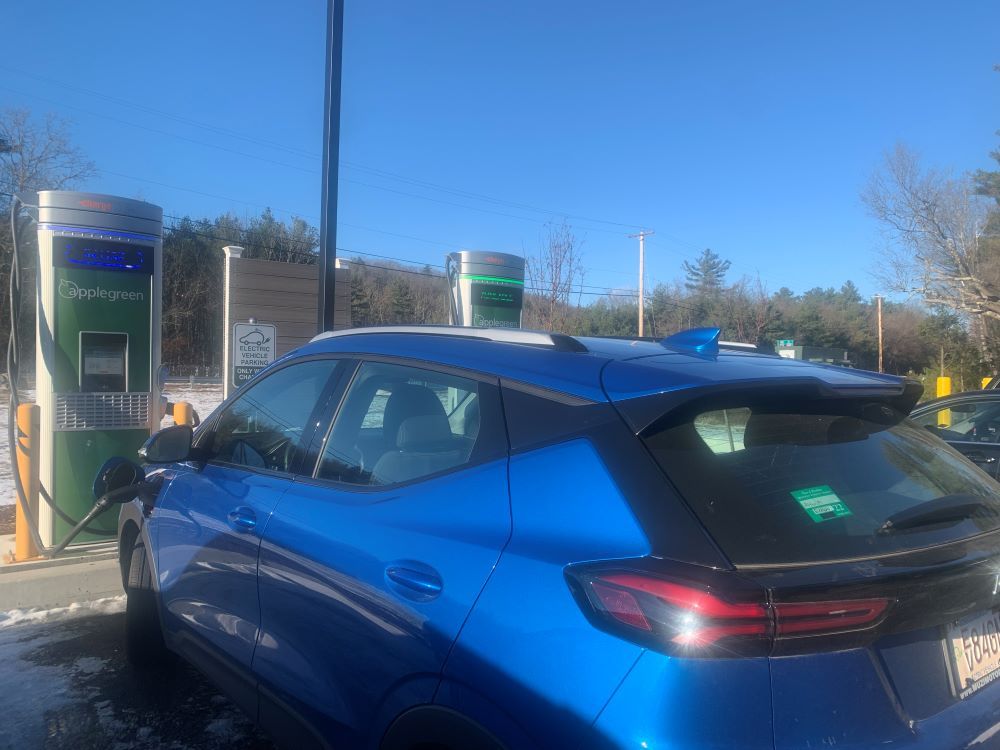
[
  {"x": 399, "y": 423},
  {"x": 264, "y": 426},
  {"x": 965, "y": 421}
]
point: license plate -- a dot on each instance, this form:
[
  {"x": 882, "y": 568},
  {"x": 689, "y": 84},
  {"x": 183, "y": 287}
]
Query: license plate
[{"x": 974, "y": 646}]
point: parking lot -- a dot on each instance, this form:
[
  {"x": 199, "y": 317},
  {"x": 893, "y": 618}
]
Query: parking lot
[{"x": 64, "y": 683}]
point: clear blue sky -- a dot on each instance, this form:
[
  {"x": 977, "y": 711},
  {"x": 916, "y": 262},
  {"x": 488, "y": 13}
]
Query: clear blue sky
[{"x": 745, "y": 127}]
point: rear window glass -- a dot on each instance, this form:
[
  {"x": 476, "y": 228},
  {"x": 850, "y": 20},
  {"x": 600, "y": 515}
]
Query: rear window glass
[{"x": 777, "y": 482}]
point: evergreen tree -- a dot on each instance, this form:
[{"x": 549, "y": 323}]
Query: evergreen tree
[
  {"x": 707, "y": 275},
  {"x": 401, "y": 301},
  {"x": 361, "y": 306}
]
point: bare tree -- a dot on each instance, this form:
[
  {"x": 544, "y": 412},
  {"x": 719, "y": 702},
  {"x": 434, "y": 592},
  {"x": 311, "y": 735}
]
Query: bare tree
[
  {"x": 935, "y": 226},
  {"x": 38, "y": 154},
  {"x": 747, "y": 309},
  {"x": 552, "y": 275},
  {"x": 34, "y": 155}
]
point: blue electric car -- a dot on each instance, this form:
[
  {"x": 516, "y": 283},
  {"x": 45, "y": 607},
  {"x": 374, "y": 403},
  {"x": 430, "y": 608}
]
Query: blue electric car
[{"x": 467, "y": 538}]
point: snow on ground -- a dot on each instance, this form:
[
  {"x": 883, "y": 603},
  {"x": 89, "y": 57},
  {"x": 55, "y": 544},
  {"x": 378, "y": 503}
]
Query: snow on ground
[
  {"x": 67, "y": 686},
  {"x": 65, "y": 682},
  {"x": 6, "y": 478},
  {"x": 49, "y": 685},
  {"x": 14, "y": 617},
  {"x": 203, "y": 396}
]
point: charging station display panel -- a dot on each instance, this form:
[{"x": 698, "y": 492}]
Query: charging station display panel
[
  {"x": 94, "y": 254},
  {"x": 103, "y": 359},
  {"x": 496, "y": 303}
]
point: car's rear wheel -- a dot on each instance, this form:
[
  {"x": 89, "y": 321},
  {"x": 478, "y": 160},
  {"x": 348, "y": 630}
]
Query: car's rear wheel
[{"x": 144, "y": 645}]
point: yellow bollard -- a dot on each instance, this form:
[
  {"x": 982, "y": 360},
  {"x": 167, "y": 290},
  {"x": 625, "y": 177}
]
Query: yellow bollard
[
  {"x": 183, "y": 413},
  {"x": 944, "y": 389},
  {"x": 986, "y": 382},
  {"x": 27, "y": 469}
]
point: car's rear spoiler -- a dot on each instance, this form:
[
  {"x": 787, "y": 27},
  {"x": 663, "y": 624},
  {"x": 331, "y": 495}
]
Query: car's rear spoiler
[{"x": 640, "y": 413}]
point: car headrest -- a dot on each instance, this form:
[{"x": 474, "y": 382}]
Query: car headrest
[
  {"x": 770, "y": 429},
  {"x": 801, "y": 429},
  {"x": 409, "y": 400},
  {"x": 425, "y": 434},
  {"x": 472, "y": 418}
]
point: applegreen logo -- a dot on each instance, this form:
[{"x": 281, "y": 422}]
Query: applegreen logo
[{"x": 73, "y": 291}]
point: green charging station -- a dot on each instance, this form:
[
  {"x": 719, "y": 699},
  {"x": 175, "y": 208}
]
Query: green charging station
[
  {"x": 486, "y": 289},
  {"x": 97, "y": 348}
]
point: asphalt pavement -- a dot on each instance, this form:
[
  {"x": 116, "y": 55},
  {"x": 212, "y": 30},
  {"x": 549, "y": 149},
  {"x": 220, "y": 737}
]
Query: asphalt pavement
[{"x": 64, "y": 683}]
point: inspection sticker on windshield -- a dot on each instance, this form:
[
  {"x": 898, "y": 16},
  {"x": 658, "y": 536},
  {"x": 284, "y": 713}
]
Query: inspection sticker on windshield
[{"x": 821, "y": 503}]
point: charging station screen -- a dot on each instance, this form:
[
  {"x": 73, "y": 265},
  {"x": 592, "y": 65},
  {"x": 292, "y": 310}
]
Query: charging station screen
[
  {"x": 101, "y": 255},
  {"x": 103, "y": 360},
  {"x": 496, "y": 305},
  {"x": 493, "y": 295}
]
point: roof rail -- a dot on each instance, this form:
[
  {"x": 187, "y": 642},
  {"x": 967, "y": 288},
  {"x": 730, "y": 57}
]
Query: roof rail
[
  {"x": 738, "y": 345},
  {"x": 558, "y": 341}
]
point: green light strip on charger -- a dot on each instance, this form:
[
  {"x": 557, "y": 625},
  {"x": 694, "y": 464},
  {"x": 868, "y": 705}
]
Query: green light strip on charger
[{"x": 474, "y": 277}]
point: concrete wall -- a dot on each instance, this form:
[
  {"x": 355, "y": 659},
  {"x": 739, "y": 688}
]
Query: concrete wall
[{"x": 282, "y": 294}]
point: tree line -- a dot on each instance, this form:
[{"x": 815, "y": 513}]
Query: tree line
[{"x": 942, "y": 250}]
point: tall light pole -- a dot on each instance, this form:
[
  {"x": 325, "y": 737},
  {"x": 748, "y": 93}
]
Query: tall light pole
[
  {"x": 642, "y": 272},
  {"x": 331, "y": 160}
]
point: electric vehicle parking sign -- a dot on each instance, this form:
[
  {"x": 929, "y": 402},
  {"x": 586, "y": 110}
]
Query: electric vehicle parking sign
[{"x": 253, "y": 350}]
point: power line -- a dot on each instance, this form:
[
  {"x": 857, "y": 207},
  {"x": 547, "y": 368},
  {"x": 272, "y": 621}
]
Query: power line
[
  {"x": 291, "y": 213},
  {"x": 163, "y": 113},
  {"x": 300, "y": 152},
  {"x": 252, "y": 243},
  {"x": 436, "y": 243},
  {"x": 167, "y": 133},
  {"x": 402, "y": 236},
  {"x": 738, "y": 266},
  {"x": 467, "y": 207},
  {"x": 480, "y": 196},
  {"x": 579, "y": 290},
  {"x": 313, "y": 155}
]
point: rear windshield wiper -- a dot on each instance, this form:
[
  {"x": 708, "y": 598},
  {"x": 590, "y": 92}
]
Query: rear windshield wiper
[{"x": 945, "y": 509}]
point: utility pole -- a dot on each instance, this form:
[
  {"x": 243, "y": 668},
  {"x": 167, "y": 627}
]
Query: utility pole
[
  {"x": 878, "y": 307},
  {"x": 642, "y": 270},
  {"x": 331, "y": 160}
]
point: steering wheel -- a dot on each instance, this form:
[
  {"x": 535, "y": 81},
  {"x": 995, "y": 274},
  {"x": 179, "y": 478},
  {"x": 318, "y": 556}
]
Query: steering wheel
[
  {"x": 280, "y": 455},
  {"x": 988, "y": 431}
]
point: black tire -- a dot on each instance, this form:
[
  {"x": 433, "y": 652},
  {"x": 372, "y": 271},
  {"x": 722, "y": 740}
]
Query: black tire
[{"x": 144, "y": 645}]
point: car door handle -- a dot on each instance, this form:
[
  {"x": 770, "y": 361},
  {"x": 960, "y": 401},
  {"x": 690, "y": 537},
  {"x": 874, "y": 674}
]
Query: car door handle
[
  {"x": 417, "y": 581},
  {"x": 243, "y": 519}
]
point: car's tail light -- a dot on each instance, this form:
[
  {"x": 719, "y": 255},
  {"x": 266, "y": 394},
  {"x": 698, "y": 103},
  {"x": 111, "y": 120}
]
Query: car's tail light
[
  {"x": 818, "y": 618},
  {"x": 695, "y": 619}
]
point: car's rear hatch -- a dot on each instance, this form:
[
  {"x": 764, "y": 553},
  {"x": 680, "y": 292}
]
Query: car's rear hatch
[
  {"x": 875, "y": 547},
  {"x": 923, "y": 674}
]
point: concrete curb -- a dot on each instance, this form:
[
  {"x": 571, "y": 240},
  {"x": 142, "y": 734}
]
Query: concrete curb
[
  {"x": 60, "y": 582},
  {"x": 72, "y": 556}
]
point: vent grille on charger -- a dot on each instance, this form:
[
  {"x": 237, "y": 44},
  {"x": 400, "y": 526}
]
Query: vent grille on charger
[{"x": 101, "y": 411}]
